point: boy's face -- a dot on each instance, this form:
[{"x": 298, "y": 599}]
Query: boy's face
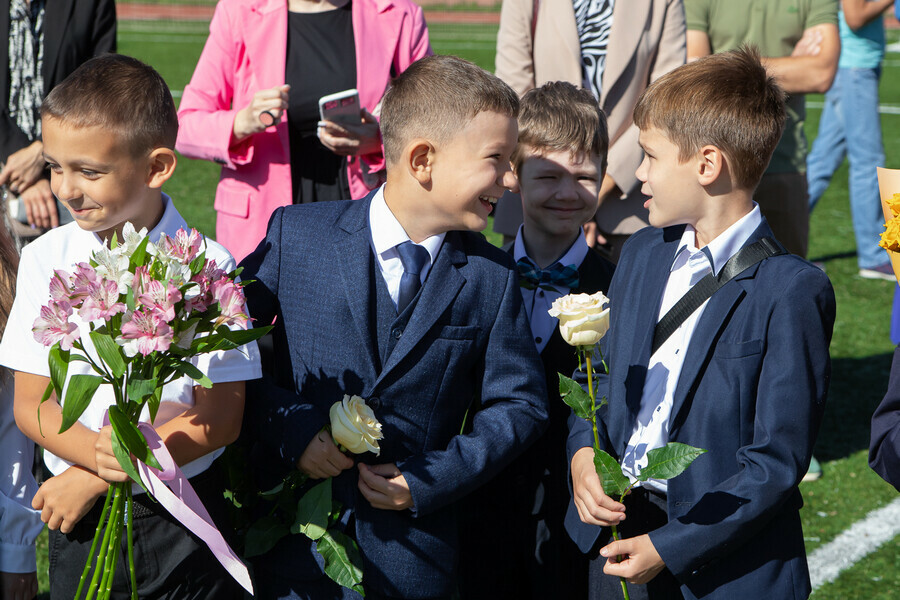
[
  {"x": 668, "y": 181},
  {"x": 559, "y": 191},
  {"x": 97, "y": 177},
  {"x": 471, "y": 171}
]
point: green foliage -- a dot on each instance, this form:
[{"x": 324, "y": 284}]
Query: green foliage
[
  {"x": 342, "y": 559},
  {"x": 186, "y": 368},
  {"x": 110, "y": 352},
  {"x": 78, "y": 396},
  {"x": 615, "y": 484},
  {"x": 670, "y": 461},
  {"x": 131, "y": 437},
  {"x": 313, "y": 510},
  {"x": 124, "y": 458},
  {"x": 575, "y": 396},
  {"x": 59, "y": 366},
  {"x": 263, "y": 535}
]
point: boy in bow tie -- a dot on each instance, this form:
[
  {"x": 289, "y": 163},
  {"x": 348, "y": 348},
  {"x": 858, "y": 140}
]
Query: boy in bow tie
[{"x": 559, "y": 162}]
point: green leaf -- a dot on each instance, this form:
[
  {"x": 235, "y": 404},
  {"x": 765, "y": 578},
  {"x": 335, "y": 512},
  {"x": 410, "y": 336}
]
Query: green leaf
[
  {"x": 239, "y": 337},
  {"x": 110, "y": 352},
  {"x": 313, "y": 510},
  {"x": 263, "y": 535},
  {"x": 575, "y": 396},
  {"x": 59, "y": 366},
  {"x": 140, "y": 253},
  {"x": 343, "y": 563},
  {"x": 138, "y": 389},
  {"x": 78, "y": 396},
  {"x": 186, "y": 368},
  {"x": 131, "y": 437},
  {"x": 153, "y": 403},
  {"x": 670, "y": 461},
  {"x": 124, "y": 459},
  {"x": 197, "y": 264},
  {"x": 610, "y": 471}
]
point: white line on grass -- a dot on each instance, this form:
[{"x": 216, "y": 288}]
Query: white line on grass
[
  {"x": 852, "y": 545},
  {"x": 885, "y": 109}
]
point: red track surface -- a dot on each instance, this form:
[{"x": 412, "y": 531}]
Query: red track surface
[{"x": 176, "y": 12}]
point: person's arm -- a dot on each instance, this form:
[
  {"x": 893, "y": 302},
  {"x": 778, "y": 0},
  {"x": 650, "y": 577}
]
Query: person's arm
[
  {"x": 515, "y": 44},
  {"x": 697, "y": 44},
  {"x": 104, "y": 34},
  {"x": 809, "y": 73},
  {"x": 859, "y": 13},
  {"x": 884, "y": 447}
]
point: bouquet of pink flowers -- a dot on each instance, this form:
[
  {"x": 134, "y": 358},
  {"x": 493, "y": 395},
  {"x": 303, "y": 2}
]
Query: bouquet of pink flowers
[{"x": 149, "y": 308}]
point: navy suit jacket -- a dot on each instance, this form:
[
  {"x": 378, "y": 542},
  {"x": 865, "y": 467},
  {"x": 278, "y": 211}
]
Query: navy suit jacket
[
  {"x": 751, "y": 392},
  {"x": 884, "y": 448},
  {"x": 467, "y": 342}
]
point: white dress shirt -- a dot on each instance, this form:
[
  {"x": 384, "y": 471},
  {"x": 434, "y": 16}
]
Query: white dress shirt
[
  {"x": 387, "y": 234},
  {"x": 538, "y": 301},
  {"x": 62, "y": 248},
  {"x": 19, "y": 523},
  {"x": 690, "y": 265}
]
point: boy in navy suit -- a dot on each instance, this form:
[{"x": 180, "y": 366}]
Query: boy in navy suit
[
  {"x": 516, "y": 520},
  {"x": 744, "y": 376},
  {"x": 395, "y": 298}
]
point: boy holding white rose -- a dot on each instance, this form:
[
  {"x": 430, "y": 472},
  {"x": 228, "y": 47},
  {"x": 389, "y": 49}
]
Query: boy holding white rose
[
  {"x": 740, "y": 370},
  {"x": 514, "y": 524}
]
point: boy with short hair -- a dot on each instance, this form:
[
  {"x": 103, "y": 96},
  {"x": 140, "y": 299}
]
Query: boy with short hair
[
  {"x": 744, "y": 376},
  {"x": 108, "y": 132},
  {"x": 421, "y": 317},
  {"x": 517, "y": 518}
]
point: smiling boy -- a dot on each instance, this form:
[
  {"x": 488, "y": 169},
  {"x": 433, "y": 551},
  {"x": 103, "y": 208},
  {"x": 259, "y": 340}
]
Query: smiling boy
[
  {"x": 398, "y": 299},
  {"x": 744, "y": 375},
  {"x": 107, "y": 168}
]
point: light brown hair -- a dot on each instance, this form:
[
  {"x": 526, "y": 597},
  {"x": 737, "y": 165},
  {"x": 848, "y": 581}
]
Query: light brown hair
[
  {"x": 9, "y": 263},
  {"x": 559, "y": 116},
  {"x": 726, "y": 100},
  {"x": 121, "y": 94},
  {"x": 435, "y": 97}
]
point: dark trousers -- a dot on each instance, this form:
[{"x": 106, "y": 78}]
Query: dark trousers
[
  {"x": 170, "y": 562},
  {"x": 646, "y": 511}
]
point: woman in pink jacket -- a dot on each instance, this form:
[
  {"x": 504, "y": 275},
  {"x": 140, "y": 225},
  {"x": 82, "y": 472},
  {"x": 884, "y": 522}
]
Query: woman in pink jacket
[{"x": 279, "y": 57}]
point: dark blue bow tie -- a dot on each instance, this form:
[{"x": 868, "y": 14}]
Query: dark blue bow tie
[{"x": 531, "y": 277}]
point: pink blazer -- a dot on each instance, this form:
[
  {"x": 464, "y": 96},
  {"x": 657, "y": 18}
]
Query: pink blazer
[{"x": 246, "y": 52}]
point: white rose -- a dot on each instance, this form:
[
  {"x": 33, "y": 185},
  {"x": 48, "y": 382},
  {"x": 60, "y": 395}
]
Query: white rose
[
  {"x": 583, "y": 320},
  {"x": 354, "y": 426}
]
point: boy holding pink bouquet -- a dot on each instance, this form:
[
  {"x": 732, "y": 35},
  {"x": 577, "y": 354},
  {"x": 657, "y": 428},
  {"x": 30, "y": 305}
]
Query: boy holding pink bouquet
[{"x": 108, "y": 169}]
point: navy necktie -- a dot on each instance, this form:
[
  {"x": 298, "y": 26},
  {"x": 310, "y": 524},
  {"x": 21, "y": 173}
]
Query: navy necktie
[
  {"x": 531, "y": 277},
  {"x": 414, "y": 259}
]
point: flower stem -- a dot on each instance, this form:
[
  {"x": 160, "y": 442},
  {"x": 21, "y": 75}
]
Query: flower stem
[
  {"x": 104, "y": 545},
  {"x": 129, "y": 524},
  {"x": 617, "y": 537},
  {"x": 87, "y": 566},
  {"x": 593, "y": 395}
]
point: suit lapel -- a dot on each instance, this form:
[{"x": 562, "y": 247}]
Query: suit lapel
[
  {"x": 353, "y": 249},
  {"x": 57, "y": 13},
  {"x": 710, "y": 326},
  {"x": 628, "y": 18},
  {"x": 441, "y": 287}
]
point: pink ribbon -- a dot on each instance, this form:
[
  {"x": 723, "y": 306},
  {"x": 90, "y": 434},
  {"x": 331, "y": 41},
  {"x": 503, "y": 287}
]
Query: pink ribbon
[{"x": 172, "y": 489}]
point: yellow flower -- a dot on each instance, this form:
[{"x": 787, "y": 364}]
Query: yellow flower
[
  {"x": 354, "y": 426},
  {"x": 890, "y": 239},
  {"x": 583, "y": 320},
  {"x": 894, "y": 203}
]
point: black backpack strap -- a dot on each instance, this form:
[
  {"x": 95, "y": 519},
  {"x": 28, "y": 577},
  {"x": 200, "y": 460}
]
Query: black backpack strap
[{"x": 745, "y": 258}]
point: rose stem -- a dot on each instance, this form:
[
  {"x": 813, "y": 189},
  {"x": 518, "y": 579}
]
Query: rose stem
[{"x": 87, "y": 567}]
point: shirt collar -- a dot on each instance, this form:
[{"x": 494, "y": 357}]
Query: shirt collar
[
  {"x": 725, "y": 245},
  {"x": 573, "y": 256},
  {"x": 388, "y": 233}
]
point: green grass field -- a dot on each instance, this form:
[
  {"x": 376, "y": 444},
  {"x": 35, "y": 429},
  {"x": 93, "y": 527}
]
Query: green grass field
[{"x": 861, "y": 350}]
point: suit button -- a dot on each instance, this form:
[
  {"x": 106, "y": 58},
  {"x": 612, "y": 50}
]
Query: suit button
[
  {"x": 396, "y": 333},
  {"x": 374, "y": 403}
]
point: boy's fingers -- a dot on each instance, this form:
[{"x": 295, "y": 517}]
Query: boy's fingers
[{"x": 616, "y": 548}]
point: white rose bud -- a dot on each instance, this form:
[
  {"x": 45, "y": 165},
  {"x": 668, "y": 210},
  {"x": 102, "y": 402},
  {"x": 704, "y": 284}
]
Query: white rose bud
[
  {"x": 354, "y": 426},
  {"x": 583, "y": 320}
]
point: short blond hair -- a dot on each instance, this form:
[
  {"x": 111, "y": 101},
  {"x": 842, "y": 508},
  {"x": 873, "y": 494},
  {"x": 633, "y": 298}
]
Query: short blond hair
[
  {"x": 435, "y": 97},
  {"x": 559, "y": 116},
  {"x": 727, "y": 100}
]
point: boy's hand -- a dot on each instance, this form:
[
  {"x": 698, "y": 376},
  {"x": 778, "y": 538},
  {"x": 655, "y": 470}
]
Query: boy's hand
[
  {"x": 640, "y": 562},
  {"x": 63, "y": 500},
  {"x": 322, "y": 458},
  {"x": 18, "y": 586},
  {"x": 108, "y": 466},
  {"x": 350, "y": 140},
  {"x": 594, "y": 506},
  {"x": 384, "y": 487}
]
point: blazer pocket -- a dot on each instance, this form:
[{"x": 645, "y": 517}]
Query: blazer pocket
[
  {"x": 738, "y": 350},
  {"x": 233, "y": 198},
  {"x": 458, "y": 332}
]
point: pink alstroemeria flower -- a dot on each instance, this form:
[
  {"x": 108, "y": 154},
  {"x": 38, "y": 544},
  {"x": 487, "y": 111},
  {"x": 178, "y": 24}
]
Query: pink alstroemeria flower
[
  {"x": 84, "y": 277},
  {"x": 53, "y": 326},
  {"x": 231, "y": 302},
  {"x": 160, "y": 298},
  {"x": 61, "y": 287},
  {"x": 199, "y": 297},
  {"x": 101, "y": 301},
  {"x": 145, "y": 332},
  {"x": 184, "y": 247},
  {"x": 141, "y": 281}
]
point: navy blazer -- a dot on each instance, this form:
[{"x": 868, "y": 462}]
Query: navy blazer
[
  {"x": 468, "y": 341},
  {"x": 884, "y": 447},
  {"x": 751, "y": 392}
]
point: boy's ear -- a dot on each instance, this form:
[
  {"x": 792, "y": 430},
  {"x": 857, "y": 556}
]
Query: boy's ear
[
  {"x": 419, "y": 156},
  {"x": 162, "y": 165},
  {"x": 710, "y": 165}
]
